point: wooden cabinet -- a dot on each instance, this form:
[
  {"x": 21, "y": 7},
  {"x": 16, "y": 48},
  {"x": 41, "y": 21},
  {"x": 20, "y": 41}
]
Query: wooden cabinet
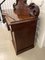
[
  {"x": 23, "y": 35},
  {"x": 22, "y": 23},
  {"x": 22, "y": 31}
]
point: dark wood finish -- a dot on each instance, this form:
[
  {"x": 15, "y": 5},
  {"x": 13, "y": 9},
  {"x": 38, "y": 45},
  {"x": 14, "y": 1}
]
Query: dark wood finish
[
  {"x": 22, "y": 25},
  {"x": 23, "y": 33}
]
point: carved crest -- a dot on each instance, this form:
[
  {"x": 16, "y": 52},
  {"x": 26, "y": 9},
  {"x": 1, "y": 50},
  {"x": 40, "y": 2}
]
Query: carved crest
[{"x": 23, "y": 10}]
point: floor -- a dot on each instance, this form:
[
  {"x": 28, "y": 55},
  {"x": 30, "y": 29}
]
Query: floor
[{"x": 7, "y": 51}]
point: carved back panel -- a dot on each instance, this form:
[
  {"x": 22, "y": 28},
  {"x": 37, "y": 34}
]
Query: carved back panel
[{"x": 25, "y": 11}]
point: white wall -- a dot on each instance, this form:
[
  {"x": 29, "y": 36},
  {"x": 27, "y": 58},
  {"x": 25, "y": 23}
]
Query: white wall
[
  {"x": 40, "y": 40},
  {"x": 41, "y": 35},
  {"x": 8, "y": 4}
]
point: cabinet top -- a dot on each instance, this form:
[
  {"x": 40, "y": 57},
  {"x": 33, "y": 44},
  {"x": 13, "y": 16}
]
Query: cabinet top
[
  {"x": 15, "y": 17},
  {"x": 12, "y": 17}
]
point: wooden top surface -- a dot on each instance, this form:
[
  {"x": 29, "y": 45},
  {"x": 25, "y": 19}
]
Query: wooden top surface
[{"x": 11, "y": 17}]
